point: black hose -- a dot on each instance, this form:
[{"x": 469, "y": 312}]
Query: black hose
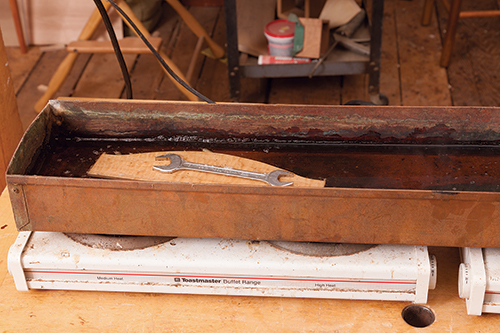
[
  {"x": 116, "y": 47},
  {"x": 157, "y": 55}
]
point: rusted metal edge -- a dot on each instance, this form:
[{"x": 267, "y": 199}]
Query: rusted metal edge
[
  {"x": 30, "y": 144},
  {"x": 320, "y": 215},
  {"x": 415, "y": 217},
  {"x": 22, "y": 180},
  {"x": 292, "y": 121}
]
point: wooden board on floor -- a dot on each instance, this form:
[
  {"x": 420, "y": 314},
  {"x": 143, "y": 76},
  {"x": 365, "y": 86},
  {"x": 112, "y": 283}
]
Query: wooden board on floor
[
  {"x": 474, "y": 67},
  {"x": 89, "y": 311},
  {"x": 423, "y": 82}
]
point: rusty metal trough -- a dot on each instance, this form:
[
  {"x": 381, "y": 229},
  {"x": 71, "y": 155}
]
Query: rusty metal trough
[{"x": 395, "y": 175}]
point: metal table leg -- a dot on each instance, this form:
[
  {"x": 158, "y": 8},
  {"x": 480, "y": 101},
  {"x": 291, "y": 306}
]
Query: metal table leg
[{"x": 375, "y": 54}]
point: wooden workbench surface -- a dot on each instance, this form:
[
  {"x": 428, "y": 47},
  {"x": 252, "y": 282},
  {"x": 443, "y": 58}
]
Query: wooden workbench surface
[{"x": 67, "y": 311}]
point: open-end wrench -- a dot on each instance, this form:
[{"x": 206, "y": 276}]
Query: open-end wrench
[{"x": 178, "y": 163}]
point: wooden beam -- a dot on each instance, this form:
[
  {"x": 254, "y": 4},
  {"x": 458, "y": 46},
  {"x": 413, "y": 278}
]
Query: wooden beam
[
  {"x": 11, "y": 129},
  {"x": 127, "y": 45}
]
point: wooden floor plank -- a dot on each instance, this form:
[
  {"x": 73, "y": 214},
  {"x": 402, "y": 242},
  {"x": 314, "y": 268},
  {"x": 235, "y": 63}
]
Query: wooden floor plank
[
  {"x": 147, "y": 73},
  {"x": 474, "y": 67},
  {"x": 318, "y": 90},
  {"x": 71, "y": 81},
  {"x": 423, "y": 82},
  {"x": 21, "y": 65},
  {"x": 184, "y": 47},
  {"x": 102, "y": 78},
  {"x": 389, "y": 71},
  {"x": 209, "y": 20},
  {"x": 146, "y": 77},
  {"x": 214, "y": 81},
  {"x": 355, "y": 88},
  {"x": 41, "y": 75},
  {"x": 252, "y": 90}
]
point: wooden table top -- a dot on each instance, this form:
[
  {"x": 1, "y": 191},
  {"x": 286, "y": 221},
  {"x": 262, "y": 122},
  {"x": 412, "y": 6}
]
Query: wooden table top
[{"x": 67, "y": 311}]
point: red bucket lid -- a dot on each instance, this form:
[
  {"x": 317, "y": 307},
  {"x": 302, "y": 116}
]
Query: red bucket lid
[{"x": 280, "y": 29}]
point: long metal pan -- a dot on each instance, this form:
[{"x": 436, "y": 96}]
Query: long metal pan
[{"x": 395, "y": 175}]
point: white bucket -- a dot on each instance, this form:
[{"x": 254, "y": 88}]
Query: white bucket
[{"x": 280, "y": 36}]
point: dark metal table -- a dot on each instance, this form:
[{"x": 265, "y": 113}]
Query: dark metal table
[{"x": 338, "y": 63}]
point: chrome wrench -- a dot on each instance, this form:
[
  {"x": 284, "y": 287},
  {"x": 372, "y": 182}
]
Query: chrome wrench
[{"x": 178, "y": 163}]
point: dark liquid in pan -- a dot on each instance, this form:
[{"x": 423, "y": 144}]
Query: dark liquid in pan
[{"x": 464, "y": 167}]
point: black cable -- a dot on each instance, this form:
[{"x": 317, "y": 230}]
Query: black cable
[
  {"x": 157, "y": 55},
  {"x": 116, "y": 47}
]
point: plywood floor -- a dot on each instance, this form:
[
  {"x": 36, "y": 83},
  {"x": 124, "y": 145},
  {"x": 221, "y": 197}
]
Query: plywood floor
[{"x": 410, "y": 73}]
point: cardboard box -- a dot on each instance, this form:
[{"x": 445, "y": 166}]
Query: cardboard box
[
  {"x": 339, "y": 12},
  {"x": 311, "y": 8},
  {"x": 315, "y": 38}
]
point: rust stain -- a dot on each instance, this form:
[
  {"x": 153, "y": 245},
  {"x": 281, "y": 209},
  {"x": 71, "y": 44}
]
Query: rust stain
[
  {"x": 480, "y": 218},
  {"x": 443, "y": 209}
]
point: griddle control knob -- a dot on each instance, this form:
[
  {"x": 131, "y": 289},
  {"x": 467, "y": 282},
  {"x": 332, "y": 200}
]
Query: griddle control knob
[
  {"x": 464, "y": 283},
  {"x": 433, "y": 273}
]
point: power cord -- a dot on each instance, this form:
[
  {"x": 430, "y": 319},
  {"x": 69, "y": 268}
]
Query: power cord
[
  {"x": 116, "y": 47},
  {"x": 158, "y": 56}
]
